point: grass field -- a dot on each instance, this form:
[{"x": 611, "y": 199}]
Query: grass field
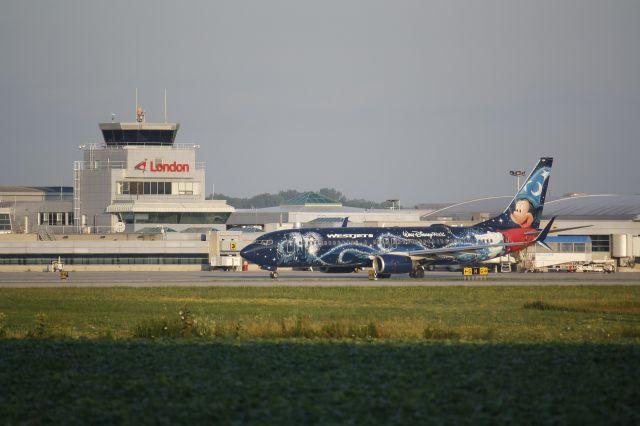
[
  {"x": 496, "y": 314},
  {"x": 459, "y": 355}
]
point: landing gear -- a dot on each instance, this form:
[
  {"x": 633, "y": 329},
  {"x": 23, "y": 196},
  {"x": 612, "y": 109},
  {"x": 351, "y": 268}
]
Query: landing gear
[
  {"x": 274, "y": 275},
  {"x": 417, "y": 273},
  {"x": 373, "y": 275}
]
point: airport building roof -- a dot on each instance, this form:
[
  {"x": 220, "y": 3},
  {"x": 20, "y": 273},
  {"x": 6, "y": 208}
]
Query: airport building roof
[
  {"x": 581, "y": 207},
  {"x": 35, "y": 193},
  {"x": 320, "y": 220},
  {"x": 207, "y": 206},
  {"x": 310, "y": 199},
  {"x": 37, "y": 189},
  {"x": 331, "y": 209}
]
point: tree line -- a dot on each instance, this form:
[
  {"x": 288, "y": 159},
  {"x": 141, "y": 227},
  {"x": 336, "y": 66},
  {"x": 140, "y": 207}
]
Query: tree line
[{"x": 271, "y": 200}]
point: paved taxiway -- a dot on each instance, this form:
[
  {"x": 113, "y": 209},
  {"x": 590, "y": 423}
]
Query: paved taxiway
[{"x": 295, "y": 278}]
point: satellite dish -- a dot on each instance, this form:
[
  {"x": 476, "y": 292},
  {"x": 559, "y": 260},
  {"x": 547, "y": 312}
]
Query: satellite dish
[{"x": 119, "y": 227}]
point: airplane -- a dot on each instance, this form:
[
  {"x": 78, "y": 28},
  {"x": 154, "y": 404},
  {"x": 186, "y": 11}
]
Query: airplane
[{"x": 401, "y": 250}]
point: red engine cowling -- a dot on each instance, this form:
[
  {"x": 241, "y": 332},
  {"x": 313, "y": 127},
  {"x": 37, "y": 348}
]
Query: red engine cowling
[{"x": 392, "y": 264}]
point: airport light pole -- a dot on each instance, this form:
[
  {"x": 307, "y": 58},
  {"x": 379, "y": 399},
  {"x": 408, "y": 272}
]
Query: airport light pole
[{"x": 517, "y": 174}]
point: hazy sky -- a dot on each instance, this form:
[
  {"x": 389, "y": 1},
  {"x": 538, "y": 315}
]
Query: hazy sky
[{"x": 417, "y": 100}]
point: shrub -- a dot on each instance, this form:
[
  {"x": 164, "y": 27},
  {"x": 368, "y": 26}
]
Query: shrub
[
  {"x": 334, "y": 330},
  {"x": 184, "y": 326},
  {"x": 237, "y": 329},
  {"x": 433, "y": 333},
  {"x": 369, "y": 331},
  {"x": 3, "y": 324},
  {"x": 42, "y": 327},
  {"x": 298, "y": 327},
  {"x": 539, "y": 305}
]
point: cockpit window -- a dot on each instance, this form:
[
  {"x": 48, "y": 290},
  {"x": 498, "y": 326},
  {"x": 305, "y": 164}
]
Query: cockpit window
[{"x": 264, "y": 242}]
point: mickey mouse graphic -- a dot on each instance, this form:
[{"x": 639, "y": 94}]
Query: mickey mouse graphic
[{"x": 521, "y": 213}]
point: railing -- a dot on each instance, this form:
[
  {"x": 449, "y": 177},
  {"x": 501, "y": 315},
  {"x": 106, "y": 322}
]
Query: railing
[
  {"x": 179, "y": 146},
  {"x": 109, "y": 165},
  {"x": 82, "y": 259},
  {"x": 100, "y": 165},
  {"x": 48, "y": 232},
  {"x": 44, "y": 234}
]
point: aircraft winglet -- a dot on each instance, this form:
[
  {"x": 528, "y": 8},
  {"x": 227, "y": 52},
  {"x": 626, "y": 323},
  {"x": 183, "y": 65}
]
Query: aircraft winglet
[{"x": 542, "y": 235}]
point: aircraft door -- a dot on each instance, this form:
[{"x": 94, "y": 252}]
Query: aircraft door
[
  {"x": 389, "y": 243},
  {"x": 289, "y": 246},
  {"x": 294, "y": 246},
  {"x": 300, "y": 249}
]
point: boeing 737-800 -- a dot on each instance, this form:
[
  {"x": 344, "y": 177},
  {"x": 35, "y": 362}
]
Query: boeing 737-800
[{"x": 401, "y": 250}]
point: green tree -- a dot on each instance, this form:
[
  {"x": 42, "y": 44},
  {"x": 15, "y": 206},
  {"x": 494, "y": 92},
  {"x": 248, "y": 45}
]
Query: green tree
[{"x": 272, "y": 200}]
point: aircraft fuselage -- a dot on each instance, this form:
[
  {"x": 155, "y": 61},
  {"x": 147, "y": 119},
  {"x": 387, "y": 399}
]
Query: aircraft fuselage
[{"x": 357, "y": 246}]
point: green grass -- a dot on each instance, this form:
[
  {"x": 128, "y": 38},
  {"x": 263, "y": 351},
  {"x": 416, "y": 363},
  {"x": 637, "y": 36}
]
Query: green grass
[
  {"x": 456, "y": 355},
  {"x": 497, "y": 314}
]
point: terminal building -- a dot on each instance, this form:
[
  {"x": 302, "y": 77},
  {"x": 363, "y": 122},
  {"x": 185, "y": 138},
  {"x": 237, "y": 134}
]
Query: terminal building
[{"x": 27, "y": 209}]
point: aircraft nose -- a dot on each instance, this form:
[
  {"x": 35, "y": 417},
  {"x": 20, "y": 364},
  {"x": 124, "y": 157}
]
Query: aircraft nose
[{"x": 248, "y": 252}]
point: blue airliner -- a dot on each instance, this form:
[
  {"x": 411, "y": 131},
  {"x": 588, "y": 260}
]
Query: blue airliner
[{"x": 401, "y": 250}]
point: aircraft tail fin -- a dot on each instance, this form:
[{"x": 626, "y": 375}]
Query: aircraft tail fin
[{"x": 525, "y": 210}]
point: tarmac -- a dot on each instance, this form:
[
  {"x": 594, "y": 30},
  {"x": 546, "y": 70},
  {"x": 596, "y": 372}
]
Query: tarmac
[{"x": 301, "y": 278}]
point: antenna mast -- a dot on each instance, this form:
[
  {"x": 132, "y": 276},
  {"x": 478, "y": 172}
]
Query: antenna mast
[{"x": 165, "y": 105}]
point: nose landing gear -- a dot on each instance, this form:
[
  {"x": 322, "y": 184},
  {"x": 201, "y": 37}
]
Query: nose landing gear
[
  {"x": 274, "y": 275},
  {"x": 418, "y": 272}
]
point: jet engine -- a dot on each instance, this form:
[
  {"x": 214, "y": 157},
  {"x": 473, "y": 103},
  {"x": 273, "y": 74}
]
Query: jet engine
[
  {"x": 392, "y": 264},
  {"x": 337, "y": 269}
]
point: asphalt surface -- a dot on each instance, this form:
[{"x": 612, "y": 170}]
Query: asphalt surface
[{"x": 296, "y": 278}]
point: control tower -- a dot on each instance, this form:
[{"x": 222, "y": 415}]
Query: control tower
[
  {"x": 139, "y": 133},
  {"x": 138, "y": 177}
]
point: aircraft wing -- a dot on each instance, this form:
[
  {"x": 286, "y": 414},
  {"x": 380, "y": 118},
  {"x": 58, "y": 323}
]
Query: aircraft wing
[
  {"x": 553, "y": 231},
  {"x": 457, "y": 249}
]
